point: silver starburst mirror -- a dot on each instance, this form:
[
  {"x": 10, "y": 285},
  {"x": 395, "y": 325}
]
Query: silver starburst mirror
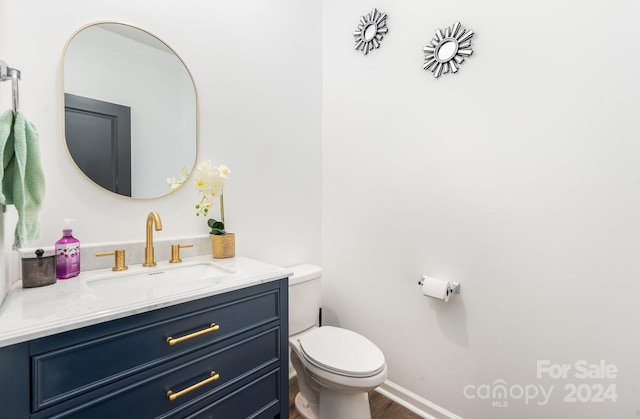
[
  {"x": 370, "y": 31},
  {"x": 447, "y": 50}
]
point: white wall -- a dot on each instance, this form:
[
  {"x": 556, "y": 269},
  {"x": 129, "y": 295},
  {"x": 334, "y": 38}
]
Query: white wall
[
  {"x": 258, "y": 86},
  {"x": 519, "y": 177}
]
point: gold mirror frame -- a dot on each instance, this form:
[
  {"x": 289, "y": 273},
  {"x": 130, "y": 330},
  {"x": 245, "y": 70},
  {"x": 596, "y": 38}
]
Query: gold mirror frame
[{"x": 160, "y": 183}]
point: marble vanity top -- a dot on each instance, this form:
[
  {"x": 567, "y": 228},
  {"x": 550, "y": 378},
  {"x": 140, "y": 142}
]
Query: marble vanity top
[{"x": 29, "y": 313}]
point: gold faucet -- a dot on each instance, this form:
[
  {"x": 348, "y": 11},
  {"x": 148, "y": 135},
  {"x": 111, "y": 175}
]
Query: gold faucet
[{"x": 152, "y": 218}]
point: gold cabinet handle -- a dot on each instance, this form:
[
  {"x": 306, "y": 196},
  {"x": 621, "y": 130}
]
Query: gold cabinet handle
[
  {"x": 213, "y": 327},
  {"x": 213, "y": 377}
]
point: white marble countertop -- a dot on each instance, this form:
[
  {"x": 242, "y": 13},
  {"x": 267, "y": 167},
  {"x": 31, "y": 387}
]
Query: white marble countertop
[{"x": 30, "y": 313}]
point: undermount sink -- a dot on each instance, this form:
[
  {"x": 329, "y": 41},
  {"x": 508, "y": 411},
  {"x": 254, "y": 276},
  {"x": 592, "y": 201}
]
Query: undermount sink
[{"x": 157, "y": 282}]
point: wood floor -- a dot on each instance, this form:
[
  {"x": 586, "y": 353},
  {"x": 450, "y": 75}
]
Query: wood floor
[{"x": 381, "y": 407}]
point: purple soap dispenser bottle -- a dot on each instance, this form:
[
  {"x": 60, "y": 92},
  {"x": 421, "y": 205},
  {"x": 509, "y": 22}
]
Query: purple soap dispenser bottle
[{"x": 67, "y": 254}]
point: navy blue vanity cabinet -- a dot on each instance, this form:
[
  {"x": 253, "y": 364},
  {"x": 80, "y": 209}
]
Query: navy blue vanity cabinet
[
  {"x": 221, "y": 356},
  {"x": 14, "y": 381}
]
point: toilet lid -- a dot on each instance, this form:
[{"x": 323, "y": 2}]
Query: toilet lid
[{"x": 342, "y": 352}]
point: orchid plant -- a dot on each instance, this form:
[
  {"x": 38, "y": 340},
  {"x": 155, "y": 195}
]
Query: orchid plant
[{"x": 209, "y": 182}]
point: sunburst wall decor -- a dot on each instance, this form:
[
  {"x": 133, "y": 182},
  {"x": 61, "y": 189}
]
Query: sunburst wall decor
[
  {"x": 370, "y": 31},
  {"x": 447, "y": 50}
]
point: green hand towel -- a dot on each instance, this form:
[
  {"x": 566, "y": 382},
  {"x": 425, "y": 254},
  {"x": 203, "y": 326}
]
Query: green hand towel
[{"x": 22, "y": 177}]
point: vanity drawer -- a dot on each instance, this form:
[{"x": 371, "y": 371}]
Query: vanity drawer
[
  {"x": 258, "y": 399},
  {"x": 73, "y": 369},
  {"x": 146, "y": 395}
]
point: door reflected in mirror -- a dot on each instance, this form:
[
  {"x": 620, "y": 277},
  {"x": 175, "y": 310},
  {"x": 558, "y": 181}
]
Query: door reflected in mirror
[{"x": 130, "y": 109}]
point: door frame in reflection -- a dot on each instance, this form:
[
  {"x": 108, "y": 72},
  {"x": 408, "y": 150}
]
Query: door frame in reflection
[{"x": 98, "y": 137}]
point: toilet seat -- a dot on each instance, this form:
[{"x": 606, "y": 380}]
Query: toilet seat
[{"x": 341, "y": 352}]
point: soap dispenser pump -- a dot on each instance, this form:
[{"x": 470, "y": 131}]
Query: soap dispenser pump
[{"x": 67, "y": 254}]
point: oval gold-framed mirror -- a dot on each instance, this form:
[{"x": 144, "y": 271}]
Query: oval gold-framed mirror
[{"x": 130, "y": 109}]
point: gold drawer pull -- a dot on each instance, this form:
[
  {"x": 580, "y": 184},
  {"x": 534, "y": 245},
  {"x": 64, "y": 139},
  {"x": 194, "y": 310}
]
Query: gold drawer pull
[
  {"x": 172, "y": 396},
  {"x": 213, "y": 327}
]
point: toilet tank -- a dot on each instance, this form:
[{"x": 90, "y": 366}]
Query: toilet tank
[{"x": 304, "y": 297}]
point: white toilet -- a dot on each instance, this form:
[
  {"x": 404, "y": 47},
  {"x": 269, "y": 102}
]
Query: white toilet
[{"x": 335, "y": 367}]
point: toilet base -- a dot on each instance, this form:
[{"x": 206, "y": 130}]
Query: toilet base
[
  {"x": 340, "y": 405},
  {"x": 335, "y": 406},
  {"x": 304, "y": 408}
]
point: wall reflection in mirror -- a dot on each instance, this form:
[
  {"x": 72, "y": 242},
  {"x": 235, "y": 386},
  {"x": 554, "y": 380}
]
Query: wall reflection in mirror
[{"x": 130, "y": 109}]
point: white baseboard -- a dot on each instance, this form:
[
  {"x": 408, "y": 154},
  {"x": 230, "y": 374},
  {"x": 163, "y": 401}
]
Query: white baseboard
[{"x": 418, "y": 405}]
